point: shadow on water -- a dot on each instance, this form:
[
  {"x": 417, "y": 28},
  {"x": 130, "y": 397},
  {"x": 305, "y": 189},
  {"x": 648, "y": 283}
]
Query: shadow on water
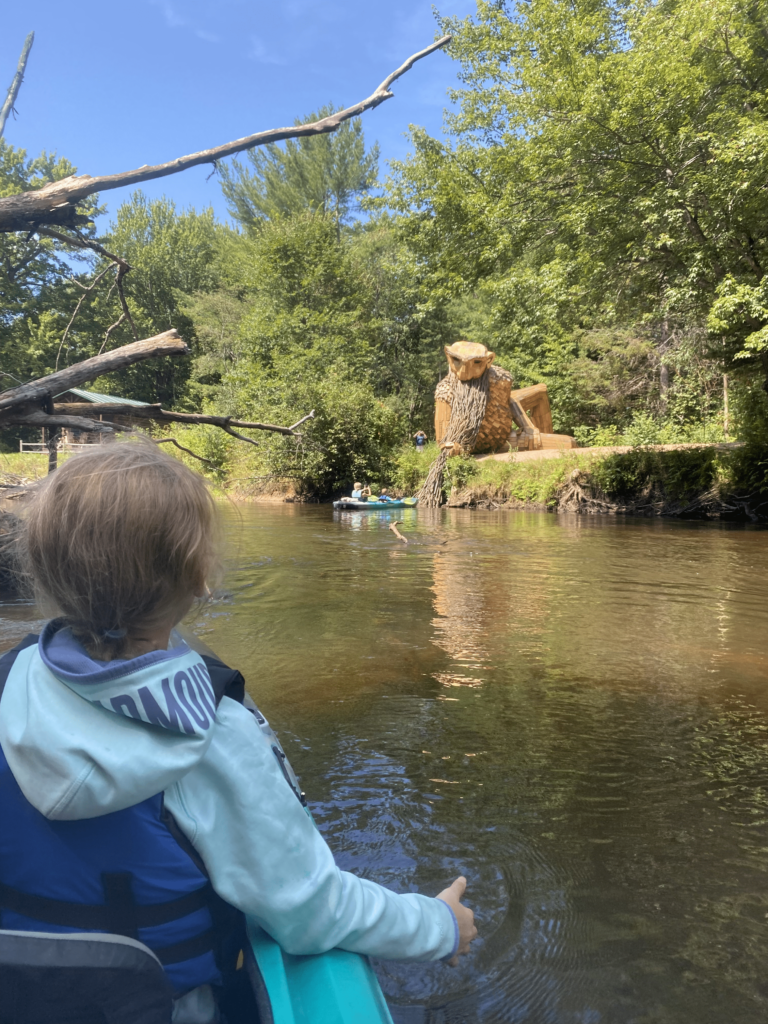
[{"x": 570, "y": 711}]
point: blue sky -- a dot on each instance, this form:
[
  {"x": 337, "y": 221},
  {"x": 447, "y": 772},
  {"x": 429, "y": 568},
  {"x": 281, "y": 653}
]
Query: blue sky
[{"x": 113, "y": 86}]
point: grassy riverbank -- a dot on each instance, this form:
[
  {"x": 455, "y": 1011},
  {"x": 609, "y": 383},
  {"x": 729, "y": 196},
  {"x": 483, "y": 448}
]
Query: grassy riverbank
[
  {"x": 25, "y": 465},
  {"x": 709, "y": 481}
]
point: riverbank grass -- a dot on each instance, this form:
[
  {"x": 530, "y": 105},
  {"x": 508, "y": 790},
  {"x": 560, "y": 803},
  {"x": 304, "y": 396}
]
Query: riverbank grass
[
  {"x": 489, "y": 481},
  {"x": 26, "y": 465},
  {"x": 707, "y": 480}
]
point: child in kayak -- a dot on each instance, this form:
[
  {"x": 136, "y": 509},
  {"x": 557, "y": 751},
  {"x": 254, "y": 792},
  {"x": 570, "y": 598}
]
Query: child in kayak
[
  {"x": 360, "y": 493},
  {"x": 134, "y": 797}
]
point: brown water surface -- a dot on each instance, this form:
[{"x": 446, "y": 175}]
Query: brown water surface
[{"x": 573, "y": 712}]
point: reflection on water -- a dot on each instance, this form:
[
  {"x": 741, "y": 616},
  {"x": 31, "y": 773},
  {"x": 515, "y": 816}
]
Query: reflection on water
[{"x": 571, "y": 711}]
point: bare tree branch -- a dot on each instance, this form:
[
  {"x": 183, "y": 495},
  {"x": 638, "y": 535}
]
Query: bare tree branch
[
  {"x": 172, "y": 440},
  {"x": 32, "y": 404},
  {"x": 81, "y": 300},
  {"x": 122, "y": 268},
  {"x": 169, "y": 343},
  {"x": 160, "y": 415},
  {"x": 79, "y": 242},
  {"x": 394, "y": 528},
  {"x": 56, "y": 202},
  {"x": 18, "y": 78},
  {"x": 111, "y": 327},
  {"x": 240, "y": 437},
  {"x": 309, "y": 416},
  {"x": 38, "y": 418}
]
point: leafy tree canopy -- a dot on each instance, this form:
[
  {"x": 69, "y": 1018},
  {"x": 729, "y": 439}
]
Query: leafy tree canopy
[
  {"x": 608, "y": 170},
  {"x": 35, "y": 274},
  {"x": 326, "y": 174}
]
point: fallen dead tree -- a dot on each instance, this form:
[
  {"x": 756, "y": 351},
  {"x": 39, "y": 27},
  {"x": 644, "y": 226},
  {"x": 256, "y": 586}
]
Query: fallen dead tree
[
  {"x": 33, "y": 405},
  {"x": 55, "y": 204},
  {"x": 45, "y": 211}
]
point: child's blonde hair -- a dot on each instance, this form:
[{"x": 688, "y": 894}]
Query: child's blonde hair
[{"x": 120, "y": 539}]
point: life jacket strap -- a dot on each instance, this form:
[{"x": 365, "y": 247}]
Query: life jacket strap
[
  {"x": 189, "y": 949},
  {"x": 120, "y": 904},
  {"x": 117, "y": 918}
]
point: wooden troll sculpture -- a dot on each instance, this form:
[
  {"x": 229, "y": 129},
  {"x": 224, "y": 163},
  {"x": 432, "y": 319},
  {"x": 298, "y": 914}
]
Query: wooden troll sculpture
[{"x": 476, "y": 410}]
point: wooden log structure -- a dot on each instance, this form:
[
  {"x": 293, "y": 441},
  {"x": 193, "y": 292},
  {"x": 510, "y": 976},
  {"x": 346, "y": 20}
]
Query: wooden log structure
[{"x": 520, "y": 417}]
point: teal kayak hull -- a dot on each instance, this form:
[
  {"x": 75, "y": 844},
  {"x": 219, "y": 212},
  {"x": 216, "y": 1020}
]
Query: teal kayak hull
[
  {"x": 369, "y": 506},
  {"x": 332, "y": 988}
]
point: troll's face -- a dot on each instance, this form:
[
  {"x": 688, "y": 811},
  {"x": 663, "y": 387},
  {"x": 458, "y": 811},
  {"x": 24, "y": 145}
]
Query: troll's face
[{"x": 468, "y": 360}]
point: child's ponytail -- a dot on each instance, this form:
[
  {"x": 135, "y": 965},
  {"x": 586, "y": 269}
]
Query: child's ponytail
[{"x": 117, "y": 540}]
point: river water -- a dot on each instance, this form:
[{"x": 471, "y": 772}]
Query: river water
[{"x": 571, "y": 711}]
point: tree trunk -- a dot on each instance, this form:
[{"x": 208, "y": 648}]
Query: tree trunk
[
  {"x": 18, "y": 78},
  {"x": 167, "y": 344},
  {"x": 51, "y": 437},
  {"x": 663, "y": 386}
]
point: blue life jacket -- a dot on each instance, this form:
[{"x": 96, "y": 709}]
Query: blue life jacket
[{"x": 130, "y": 872}]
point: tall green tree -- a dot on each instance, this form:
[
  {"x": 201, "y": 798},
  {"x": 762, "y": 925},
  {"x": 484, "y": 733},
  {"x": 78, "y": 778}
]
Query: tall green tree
[
  {"x": 172, "y": 255},
  {"x": 37, "y": 292},
  {"x": 312, "y": 319},
  {"x": 326, "y": 174},
  {"x": 609, "y": 171}
]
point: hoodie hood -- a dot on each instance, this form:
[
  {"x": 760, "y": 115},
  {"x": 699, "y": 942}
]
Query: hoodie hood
[{"x": 84, "y": 737}]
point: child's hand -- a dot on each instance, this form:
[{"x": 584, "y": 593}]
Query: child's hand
[{"x": 465, "y": 918}]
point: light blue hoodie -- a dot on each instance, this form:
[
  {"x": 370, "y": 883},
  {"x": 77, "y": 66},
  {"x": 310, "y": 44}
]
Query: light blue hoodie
[{"x": 84, "y": 738}]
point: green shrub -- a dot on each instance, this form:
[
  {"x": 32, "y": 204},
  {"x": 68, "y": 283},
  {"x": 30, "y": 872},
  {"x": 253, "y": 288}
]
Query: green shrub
[
  {"x": 679, "y": 474},
  {"x": 411, "y": 466},
  {"x": 597, "y": 437},
  {"x": 461, "y": 471}
]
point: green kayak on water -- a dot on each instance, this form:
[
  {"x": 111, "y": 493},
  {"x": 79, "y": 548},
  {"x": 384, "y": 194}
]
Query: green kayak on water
[{"x": 373, "y": 504}]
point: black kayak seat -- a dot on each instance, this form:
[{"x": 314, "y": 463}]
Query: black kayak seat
[{"x": 80, "y": 978}]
